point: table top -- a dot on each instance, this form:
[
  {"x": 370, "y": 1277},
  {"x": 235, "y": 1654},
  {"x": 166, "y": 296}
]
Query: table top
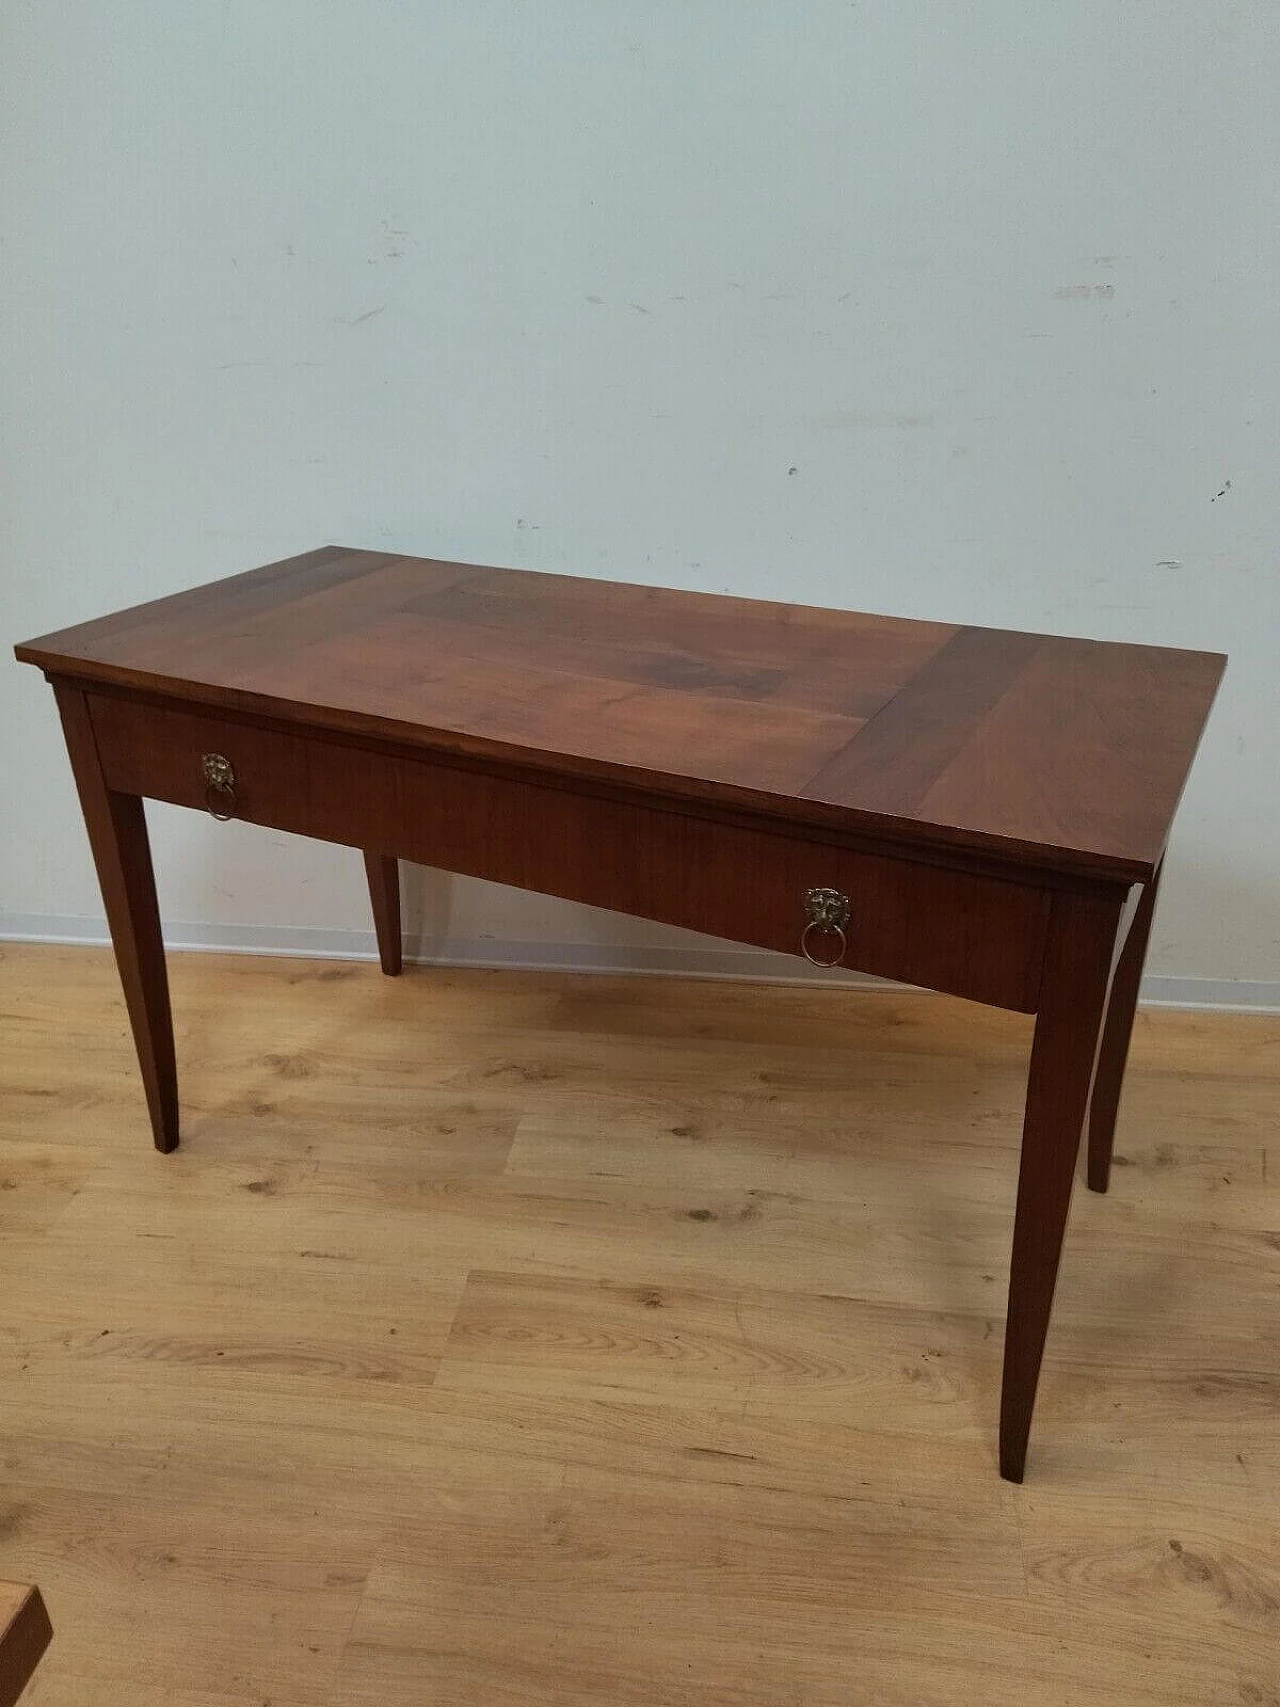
[{"x": 1061, "y": 753}]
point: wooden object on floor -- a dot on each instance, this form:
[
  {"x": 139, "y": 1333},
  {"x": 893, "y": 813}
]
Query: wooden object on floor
[
  {"x": 25, "y": 1633},
  {"x": 573, "y": 1340},
  {"x": 117, "y": 828},
  {"x": 1113, "y": 1050},
  {"x": 383, "y": 873},
  {"x": 928, "y": 802},
  {"x": 1068, "y": 1028}
]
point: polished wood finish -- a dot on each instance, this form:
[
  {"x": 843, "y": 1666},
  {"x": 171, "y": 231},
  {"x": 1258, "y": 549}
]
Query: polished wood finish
[
  {"x": 117, "y": 828},
  {"x": 985, "y": 800},
  {"x": 964, "y": 932},
  {"x": 1078, "y": 959},
  {"x": 1114, "y": 1050},
  {"x": 25, "y": 1633},
  {"x": 696, "y": 1291},
  {"x": 1068, "y": 754},
  {"x": 383, "y": 872}
]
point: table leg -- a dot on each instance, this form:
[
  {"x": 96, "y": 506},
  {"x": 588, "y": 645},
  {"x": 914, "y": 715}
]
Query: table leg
[
  {"x": 1116, "y": 1033},
  {"x": 383, "y": 871},
  {"x": 122, "y": 854},
  {"x": 1078, "y": 962}
]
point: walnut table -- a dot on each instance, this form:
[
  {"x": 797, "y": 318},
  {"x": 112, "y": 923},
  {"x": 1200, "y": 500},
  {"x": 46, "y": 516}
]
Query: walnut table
[{"x": 978, "y": 811}]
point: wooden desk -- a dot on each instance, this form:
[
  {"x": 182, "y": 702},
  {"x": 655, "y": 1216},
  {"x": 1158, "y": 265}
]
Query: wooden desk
[
  {"x": 25, "y": 1633},
  {"x": 978, "y": 811}
]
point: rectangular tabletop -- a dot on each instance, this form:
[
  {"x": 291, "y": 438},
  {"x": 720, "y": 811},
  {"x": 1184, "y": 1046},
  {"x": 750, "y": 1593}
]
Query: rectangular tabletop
[{"x": 1061, "y": 753}]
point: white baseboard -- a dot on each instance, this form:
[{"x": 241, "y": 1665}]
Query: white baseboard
[{"x": 755, "y": 965}]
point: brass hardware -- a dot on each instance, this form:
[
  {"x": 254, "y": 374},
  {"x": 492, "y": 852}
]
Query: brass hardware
[
  {"x": 828, "y": 910},
  {"x": 219, "y": 786}
]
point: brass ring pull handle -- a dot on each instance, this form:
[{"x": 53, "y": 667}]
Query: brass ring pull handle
[
  {"x": 836, "y": 930},
  {"x": 828, "y": 911},
  {"x": 219, "y": 787}
]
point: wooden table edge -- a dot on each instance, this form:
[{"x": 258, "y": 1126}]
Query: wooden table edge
[{"x": 1036, "y": 862}]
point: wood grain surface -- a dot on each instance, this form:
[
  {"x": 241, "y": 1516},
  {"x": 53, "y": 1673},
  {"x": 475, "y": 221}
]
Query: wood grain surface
[
  {"x": 1064, "y": 753},
  {"x": 578, "y": 1342},
  {"x": 920, "y": 921}
]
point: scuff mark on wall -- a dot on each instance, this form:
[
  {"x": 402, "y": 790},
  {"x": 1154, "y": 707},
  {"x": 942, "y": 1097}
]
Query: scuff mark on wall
[{"x": 835, "y": 420}]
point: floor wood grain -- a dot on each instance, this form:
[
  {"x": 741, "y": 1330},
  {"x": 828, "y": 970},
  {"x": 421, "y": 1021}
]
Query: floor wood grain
[{"x": 503, "y": 1338}]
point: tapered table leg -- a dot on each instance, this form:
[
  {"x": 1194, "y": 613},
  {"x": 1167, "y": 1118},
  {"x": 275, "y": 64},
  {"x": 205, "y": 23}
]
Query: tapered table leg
[
  {"x": 1078, "y": 961},
  {"x": 383, "y": 871},
  {"x": 122, "y": 854},
  {"x": 1116, "y": 1032}
]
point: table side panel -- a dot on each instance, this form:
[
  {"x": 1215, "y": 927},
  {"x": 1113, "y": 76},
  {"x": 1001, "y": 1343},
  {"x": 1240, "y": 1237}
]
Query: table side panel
[{"x": 961, "y": 932}]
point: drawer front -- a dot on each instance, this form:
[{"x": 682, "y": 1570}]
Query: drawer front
[{"x": 962, "y": 932}]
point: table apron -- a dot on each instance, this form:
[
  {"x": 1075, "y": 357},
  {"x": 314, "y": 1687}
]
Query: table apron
[{"x": 958, "y": 931}]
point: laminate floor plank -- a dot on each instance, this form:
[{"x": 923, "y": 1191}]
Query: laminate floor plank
[{"x": 571, "y": 1340}]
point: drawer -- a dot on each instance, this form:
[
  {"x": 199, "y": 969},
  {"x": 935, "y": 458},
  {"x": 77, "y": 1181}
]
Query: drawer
[{"x": 963, "y": 932}]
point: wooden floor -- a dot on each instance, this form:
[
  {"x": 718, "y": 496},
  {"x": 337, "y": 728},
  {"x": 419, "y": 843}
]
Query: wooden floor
[{"x": 509, "y": 1339}]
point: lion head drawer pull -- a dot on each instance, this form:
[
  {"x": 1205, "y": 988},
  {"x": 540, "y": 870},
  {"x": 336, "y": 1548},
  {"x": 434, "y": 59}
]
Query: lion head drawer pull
[
  {"x": 828, "y": 911},
  {"x": 219, "y": 787}
]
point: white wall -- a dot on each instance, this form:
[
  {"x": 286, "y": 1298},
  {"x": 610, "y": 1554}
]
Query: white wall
[{"x": 956, "y": 311}]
